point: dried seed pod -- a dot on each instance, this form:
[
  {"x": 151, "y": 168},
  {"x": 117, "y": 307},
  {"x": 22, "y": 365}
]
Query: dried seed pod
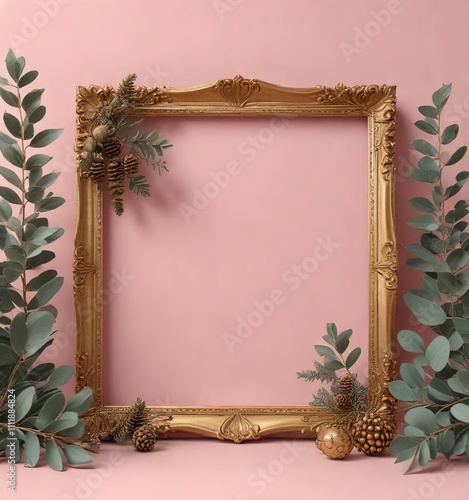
[
  {"x": 89, "y": 144},
  {"x": 101, "y": 133}
]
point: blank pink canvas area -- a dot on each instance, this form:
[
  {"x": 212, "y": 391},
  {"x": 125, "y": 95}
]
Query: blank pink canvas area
[{"x": 218, "y": 287}]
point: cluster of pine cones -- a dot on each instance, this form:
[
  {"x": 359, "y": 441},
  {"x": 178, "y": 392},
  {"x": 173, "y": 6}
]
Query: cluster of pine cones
[
  {"x": 370, "y": 433},
  {"x": 344, "y": 400},
  {"x": 138, "y": 426},
  {"x": 101, "y": 151}
]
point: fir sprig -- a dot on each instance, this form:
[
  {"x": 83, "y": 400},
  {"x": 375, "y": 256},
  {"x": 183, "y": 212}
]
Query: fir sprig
[{"x": 326, "y": 372}]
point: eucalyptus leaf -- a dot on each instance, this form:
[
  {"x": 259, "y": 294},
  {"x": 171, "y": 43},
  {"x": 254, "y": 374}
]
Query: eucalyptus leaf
[
  {"x": 32, "y": 450},
  {"x": 424, "y": 147},
  {"x": 352, "y": 357},
  {"x": 423, "y": 419},
  {"x": 36, "y": 161},
  {"x": 425, "y": 222},
  {"x": 45, "y": 293},
  {"x": 449, "y": 134},
  {"x": 9, "y": 195},
  {"x": 11, "y": 177},
  {"x": 53, "y": 455},
  {"x": 13, "y": 125},
  {"x": 32, "y": 100},
  {"x": 462, "y": 325},
  {"x": 343, "y": 340},
  {"x": 439, "y": 391},
  {"x": 27, "y": 78},
  {"x": 429, "y": 126},
  {"x": 50, "y": 203},
  {"x": 334, "y": 365},
  {"x": 5, "y": 210},
  {"x": 10, "y": 98},
  {"x": 23, "y": 403},
  {"x": 40, "y": 280},
  {"x": 428, "y": 111},
  {"x": 457, "y": 259},
  {"x": 75, "y": 432},
  {"x": 60, "y": 376},
  {"x": 412, "y": 375},
  {"x": 332, "y": 330},
  {"x": 76, "y": 455},
  {"x": 441, "y": 96},
  {"x": 461, "y": 443},
  {"x": 12, "y": 154},
  {"x": 50, "y": 410},
  {"x": 11, "y": 66},
  {"x": 19, "y": 333},
  {"x": 65, "y": 421},
  {"x": 457, "y": 156},
  {"x": 427, "y": 312},
  {"x": 459, "y": 382},
  {"x": 39, "y": 325},
  {"x": 460, "y": 411},
  {"x": 81, "y": 402},
  {"x": 37, "y": 115},
  {"x": 400, "y": 390},
  {"x": 325, "y": 351},
  {"x": 437, "y": 353},
  {"x": 45, "y": 137},
  {"x": 423, "y": 205}
]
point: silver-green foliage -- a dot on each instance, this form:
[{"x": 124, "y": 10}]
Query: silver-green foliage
[
  {"x": 334, "y": 361},
  {"x": 33, "y": 411},
  {"x": 436, "y": 384}
]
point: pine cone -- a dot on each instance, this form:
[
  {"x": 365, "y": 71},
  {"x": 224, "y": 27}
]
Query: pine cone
[
  {"x": 347, "y": 384},
  {"x": 136, "y": 416},
  {"x": 372, "y": 433},
  {"x": 144, "y": 438},
  {"x": 97, "y": 169},
  {"x": 112, "y": 147},
  {"x": 343, "y": 401},
  {"x": 115, "y": 171},
  {"x": 118, "y": 206},
  {"x": 131, "y": 163}
]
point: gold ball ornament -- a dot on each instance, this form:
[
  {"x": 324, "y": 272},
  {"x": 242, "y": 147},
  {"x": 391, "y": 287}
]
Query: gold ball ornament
[{"x": 335, "y": 442}]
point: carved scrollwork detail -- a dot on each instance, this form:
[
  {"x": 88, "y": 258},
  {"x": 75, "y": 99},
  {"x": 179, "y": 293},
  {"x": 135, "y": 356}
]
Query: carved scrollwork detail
[
  {"x": 81, "y": 269},
  {"x": 366, "y": 97},
  {"x": 145, "y": 96},
  {"x": 83, "y": 371},
  {"x": 237, "y": 90},
  {"x": 238, "y": 428},
  {"x": 380, "y": 399},
  {"x": 387, "y": 267}
]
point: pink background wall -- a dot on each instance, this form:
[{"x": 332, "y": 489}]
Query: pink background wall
[{"x": 183, "y": 43}]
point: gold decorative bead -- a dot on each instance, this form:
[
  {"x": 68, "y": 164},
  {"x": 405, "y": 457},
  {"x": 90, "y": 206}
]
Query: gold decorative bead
[{"x": 335, "y": 442}]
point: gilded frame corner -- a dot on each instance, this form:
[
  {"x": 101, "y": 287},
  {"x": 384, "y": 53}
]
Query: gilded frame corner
[{"x": 246, "y": 97}]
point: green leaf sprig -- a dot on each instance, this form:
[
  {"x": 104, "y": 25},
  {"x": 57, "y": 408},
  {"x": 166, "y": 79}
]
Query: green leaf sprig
[
  {"x": 435, "y": 387},
  {"x": 34, "y": 415}
]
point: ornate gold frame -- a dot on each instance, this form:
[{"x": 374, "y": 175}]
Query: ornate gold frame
[{"x": 246, "y": 97}]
